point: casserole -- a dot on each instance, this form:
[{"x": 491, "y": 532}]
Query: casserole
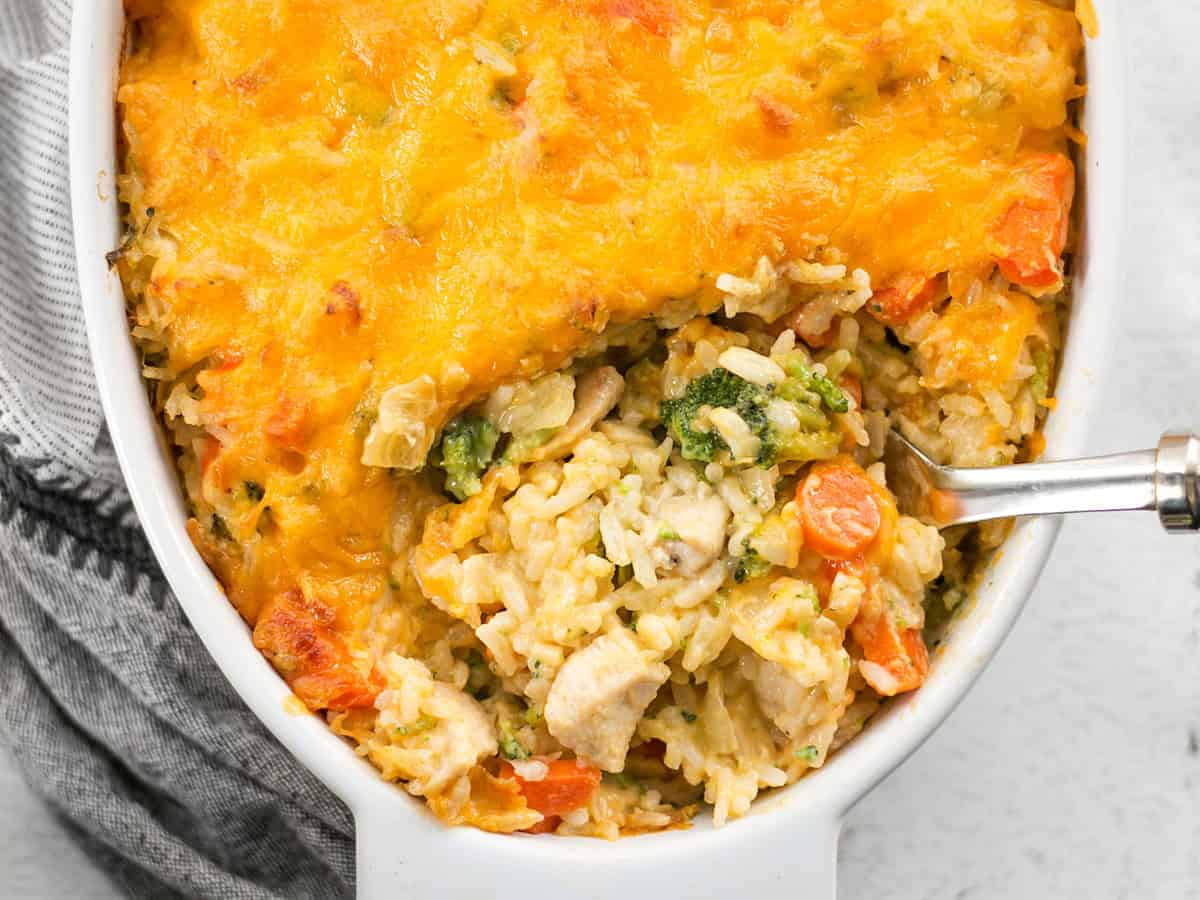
[{"x": 759, "y": 850}]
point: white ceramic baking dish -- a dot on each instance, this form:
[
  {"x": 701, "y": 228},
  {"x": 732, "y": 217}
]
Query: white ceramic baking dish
[{"x": 787, "y": 846}]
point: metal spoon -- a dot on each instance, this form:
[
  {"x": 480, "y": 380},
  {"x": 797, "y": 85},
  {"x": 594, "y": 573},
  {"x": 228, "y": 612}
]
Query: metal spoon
[{"x": 1166, "y": 480}]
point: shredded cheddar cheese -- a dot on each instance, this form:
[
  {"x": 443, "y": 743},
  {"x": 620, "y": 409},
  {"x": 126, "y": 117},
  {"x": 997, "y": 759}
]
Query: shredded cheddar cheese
[{"x": 353, "y": 214}]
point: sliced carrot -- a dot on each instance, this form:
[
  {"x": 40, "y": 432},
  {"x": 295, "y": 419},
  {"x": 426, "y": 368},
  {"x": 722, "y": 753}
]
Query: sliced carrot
[
  {"x": 1029, "y": 239},
  {"x": 904, "y": 298},
  {"x": 288, "y": 424},
  {"x": 894, "y": 659},
  {"x": 852, "y": 385},
  {"x": 568, "y": 785},
  {"x": 777, "y": 116},
  {"x": 656, "y": 16},
  {"x": 548, "y": 824},
  {"x": 795, "y": 321},
  {"x": 345, "y": 304},
  {"x": 210, "y": 452},
  {"x": 839, "y": 509},
  {"x": 227, "y": 359}
]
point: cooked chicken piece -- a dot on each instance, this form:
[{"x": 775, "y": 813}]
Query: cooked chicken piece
[
  {"x": 596, "y": 393},
  {"x": 785, "y": 699},
  {"x": 437, "y": 732},
  {"x": 699, "y": 524},
  {"x": 600, "y": 694},
  {"x": 465, "y": 737}
]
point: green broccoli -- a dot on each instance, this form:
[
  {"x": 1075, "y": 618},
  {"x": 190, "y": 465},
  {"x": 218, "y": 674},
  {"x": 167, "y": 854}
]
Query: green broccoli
[
  {"x": 510, "y": 745},
  {"x": 621, "y": 780},
  {"x": 750, "y": 565},
  {"x": 220, "y": 529},
  {"x": 1039, "y": 383},
  {"x": 808, "y": 754},
  {"x": 807, "y": 386},
  {"x": 424, "y": 723},
  {"x": 465, "y": 452},
  {"x": 479, "y": 676},
  {"x": 719, "y": 388}
]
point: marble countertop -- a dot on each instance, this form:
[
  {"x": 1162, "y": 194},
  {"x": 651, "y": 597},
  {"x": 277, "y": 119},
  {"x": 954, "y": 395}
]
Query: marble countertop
[{"x": 1073, "y": 768}]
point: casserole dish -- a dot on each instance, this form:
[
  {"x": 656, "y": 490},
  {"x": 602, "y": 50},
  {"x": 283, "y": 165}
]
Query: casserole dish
[{"x": 790, "y": 838}]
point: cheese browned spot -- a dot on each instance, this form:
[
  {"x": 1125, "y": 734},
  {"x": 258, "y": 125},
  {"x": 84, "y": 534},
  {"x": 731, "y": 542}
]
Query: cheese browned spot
[{"x": 299, "y": 641}]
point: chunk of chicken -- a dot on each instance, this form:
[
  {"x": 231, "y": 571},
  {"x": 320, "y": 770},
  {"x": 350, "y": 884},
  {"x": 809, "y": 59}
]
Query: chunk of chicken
[
  {"x": 787, "y": 701},
  {"x": 600, "y": 694},
  {"x": 466, "y": 734},
  {"x": 437, "y": 733},
  {"x": 699, "y": 523},
  {"x": 596, "y": 393}
]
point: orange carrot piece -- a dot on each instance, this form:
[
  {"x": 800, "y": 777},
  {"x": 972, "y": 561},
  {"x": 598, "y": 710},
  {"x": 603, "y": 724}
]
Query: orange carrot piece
[
  {"x": 839, "y": 509},
  {"x": 210, "y": 452},
  {"x": 1029, "y": 239},
  {"x": 904, "y": 298},
  {"x": 852, "y": 385},
  {"x": 795, "y": 321},
  {"x": 227, "y": 359},
  {"x": 547, "y": 825},
  {"x": 894, "y": 659},
  {"x": 288, "y": 424},
  {"x": 568, "y": 785},
  {"x": 777, "y": 116},
  {"x": 344, "y": 303},
  {"x": 656, "y": 16}
]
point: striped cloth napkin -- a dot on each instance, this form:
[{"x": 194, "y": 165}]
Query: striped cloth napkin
[{"x": 111, "y": 707}]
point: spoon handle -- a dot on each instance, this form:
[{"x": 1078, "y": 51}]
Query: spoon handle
[
  {"x": 1166, "y": 480},
  {"x": 1177, "y": 482}
]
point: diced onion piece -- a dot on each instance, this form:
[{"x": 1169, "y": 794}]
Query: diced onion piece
[
  {"x": 531, "y": 406},
  {"x": 402, "y": 434},
  {"x": 493, "y": 56}
]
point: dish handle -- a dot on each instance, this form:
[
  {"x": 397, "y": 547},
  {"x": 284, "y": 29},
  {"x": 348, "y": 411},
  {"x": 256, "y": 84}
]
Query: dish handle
[{"x": 395, "y": 860}]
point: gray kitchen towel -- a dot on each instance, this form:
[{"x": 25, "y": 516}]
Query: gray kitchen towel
[{"x": 110, "y": 705}]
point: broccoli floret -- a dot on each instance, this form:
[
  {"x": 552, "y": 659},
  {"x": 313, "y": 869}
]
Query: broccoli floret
[
  {"x": 719, "y": 388},
  {"x": 425, "y": 723},
  {"x": 510, "y": 746},
  {"x": 806, "y": 445},
  {"x": 479, "y": 676},
  {"x": 220, "y": 529},
  {"x": 806, "y": 381},
  {"x": 465, "y": 452},
  {"x": 808, "y": 754},
  {"x": 1039, "y": 383},
  {"x": 620, "y": 779},
  {"x": 750, "y": 565}
]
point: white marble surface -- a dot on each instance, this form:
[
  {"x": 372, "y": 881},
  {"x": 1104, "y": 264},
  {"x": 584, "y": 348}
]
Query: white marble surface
[
  {"x": 38, "y": 859},
  {"x": 1072, "y": 768}
]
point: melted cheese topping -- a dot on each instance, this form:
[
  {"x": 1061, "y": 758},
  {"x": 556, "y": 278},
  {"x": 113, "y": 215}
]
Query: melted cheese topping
[{"x": 348, "y": 195}]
